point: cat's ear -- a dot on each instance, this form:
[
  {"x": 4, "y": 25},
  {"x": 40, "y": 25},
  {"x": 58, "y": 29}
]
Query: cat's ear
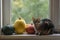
[{"x": 33, "y": 18}]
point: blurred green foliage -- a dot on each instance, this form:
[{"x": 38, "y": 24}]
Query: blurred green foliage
[{"x": 28, "y": 9}]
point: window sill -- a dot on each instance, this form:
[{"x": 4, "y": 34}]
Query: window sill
[{"x": 30, "y": 37}]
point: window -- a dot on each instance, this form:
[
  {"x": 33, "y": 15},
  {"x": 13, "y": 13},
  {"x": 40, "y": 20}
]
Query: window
[
  {"x": 28, "y": 9},
  {"x": 52, "y": 13}
]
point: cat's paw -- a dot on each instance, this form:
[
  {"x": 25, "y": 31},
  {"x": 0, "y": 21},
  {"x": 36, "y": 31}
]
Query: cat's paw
[{"x": 36, "y": 33}]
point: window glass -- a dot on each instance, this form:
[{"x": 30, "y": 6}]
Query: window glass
[{"x": 28, "y": 9}]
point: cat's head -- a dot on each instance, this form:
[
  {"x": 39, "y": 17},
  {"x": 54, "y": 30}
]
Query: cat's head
[{"x": 36, "y": 22}]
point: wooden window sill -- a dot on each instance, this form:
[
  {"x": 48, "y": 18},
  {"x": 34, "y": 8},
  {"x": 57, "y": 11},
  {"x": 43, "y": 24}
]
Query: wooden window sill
[{"x": 30, "y": 37}]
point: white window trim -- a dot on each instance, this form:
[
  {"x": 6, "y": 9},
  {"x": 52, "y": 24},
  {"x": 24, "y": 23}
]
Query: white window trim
[
  {"x": 0, "y": 16},
  {"x": 54, "y": 10},
  {"x": 59, "y": 15},
  {"x": 55, "y": 13},
  {"x": 6, "y": 12}
]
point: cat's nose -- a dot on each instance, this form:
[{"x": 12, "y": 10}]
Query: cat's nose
[{"x": 37, "y": 24}]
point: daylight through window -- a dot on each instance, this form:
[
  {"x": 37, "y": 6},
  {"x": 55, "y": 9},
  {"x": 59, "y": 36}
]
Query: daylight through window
[{"x": 28, "y": 9}]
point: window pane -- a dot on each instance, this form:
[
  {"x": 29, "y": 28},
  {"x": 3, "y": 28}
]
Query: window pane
[{"x": 28, "y": 9}]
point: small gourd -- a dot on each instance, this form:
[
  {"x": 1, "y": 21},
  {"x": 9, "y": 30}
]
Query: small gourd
[
  {"x": 7, "y": 30},
  {"x": 19, "y": 26}
]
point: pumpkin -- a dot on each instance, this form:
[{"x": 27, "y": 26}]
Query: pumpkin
[
  {"x": 30, "y": 29},
  {"x": 27, "y": 25},
  {"x": 19, "y": 26},
  {"x": 8, "y": 30}
]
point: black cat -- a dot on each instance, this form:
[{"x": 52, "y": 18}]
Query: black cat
[
  {"x": 47, "y": 27},
  {"x": 44, "y": 26}
]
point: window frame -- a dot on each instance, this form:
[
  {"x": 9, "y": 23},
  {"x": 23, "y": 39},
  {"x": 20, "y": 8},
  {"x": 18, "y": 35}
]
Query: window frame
[
  {"x": 59, "y": 12},
  {"x": 0, "y": 16},
  {"x": 54, "y": 12}
]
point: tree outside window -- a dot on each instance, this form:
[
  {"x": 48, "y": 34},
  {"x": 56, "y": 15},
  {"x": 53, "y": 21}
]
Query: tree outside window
[{"x": 28, "y": 9}]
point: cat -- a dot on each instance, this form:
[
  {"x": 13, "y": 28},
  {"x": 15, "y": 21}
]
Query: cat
[{"x": 44, "y": 26}]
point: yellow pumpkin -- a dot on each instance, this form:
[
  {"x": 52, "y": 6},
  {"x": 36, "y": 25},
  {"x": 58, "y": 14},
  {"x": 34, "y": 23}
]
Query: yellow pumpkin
[{"x": 19, "y": 25}]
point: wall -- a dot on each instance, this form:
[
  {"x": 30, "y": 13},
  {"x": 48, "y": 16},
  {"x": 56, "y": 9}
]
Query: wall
[
  {"x": 0, "y": 16},
  {"x": 0, "y": 12}
]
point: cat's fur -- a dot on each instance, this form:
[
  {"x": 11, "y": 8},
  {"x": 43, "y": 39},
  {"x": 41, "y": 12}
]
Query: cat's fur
[{"x": 44, "y": 26}]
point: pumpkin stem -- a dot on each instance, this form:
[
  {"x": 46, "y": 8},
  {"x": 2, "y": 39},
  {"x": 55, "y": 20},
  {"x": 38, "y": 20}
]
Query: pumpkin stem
[{"x": 19, "y": 18}]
